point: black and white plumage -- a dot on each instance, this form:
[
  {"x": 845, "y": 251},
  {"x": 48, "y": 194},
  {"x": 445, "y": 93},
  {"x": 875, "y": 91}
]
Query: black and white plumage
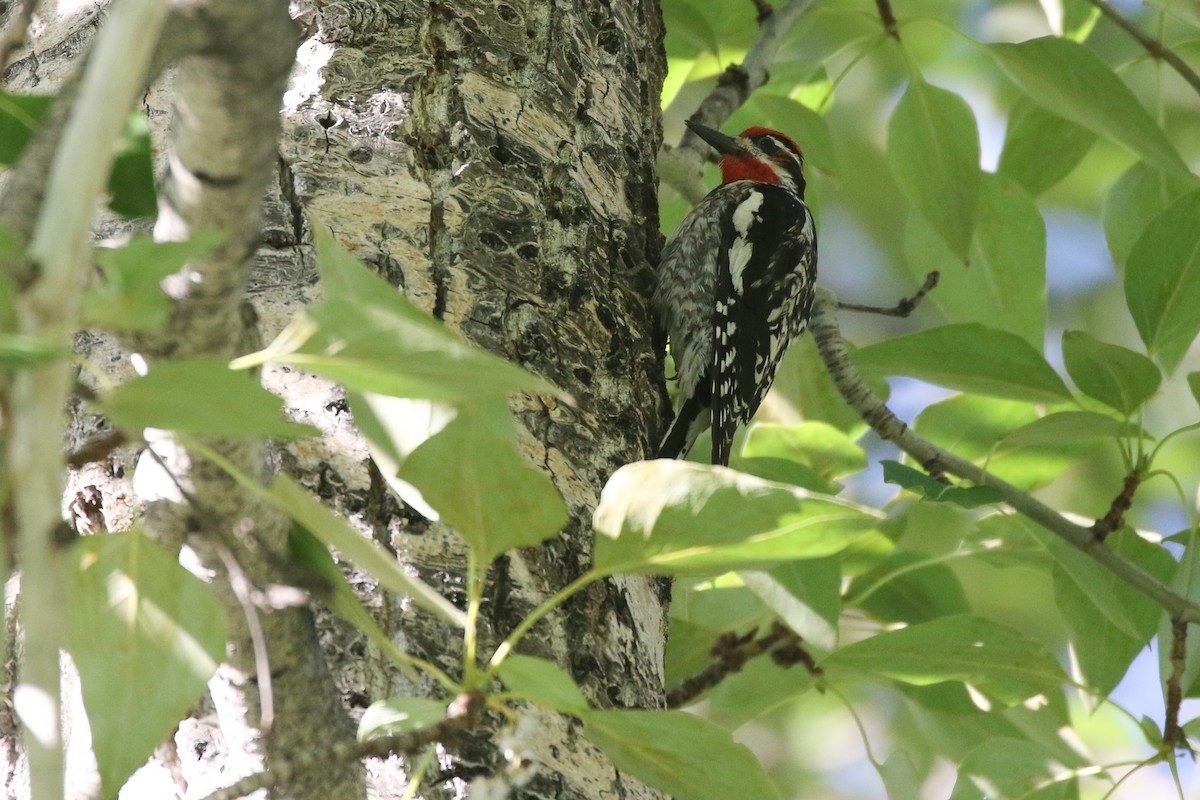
[{"x": 735, "y": 286}]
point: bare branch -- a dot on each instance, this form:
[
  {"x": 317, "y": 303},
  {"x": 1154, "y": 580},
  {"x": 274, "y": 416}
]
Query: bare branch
[
  {"x": 1115, "y": 518},
  {"x": 888, "y": 18},
  {"x": 1172, "y": 734},
  {"x": 905, "y": 306},
  {"x": 1154, "y": 47},
  {"x": 730, "y": 654},
  {"x": 854, "y": 391},
  {"x": 680, "y": 166}
]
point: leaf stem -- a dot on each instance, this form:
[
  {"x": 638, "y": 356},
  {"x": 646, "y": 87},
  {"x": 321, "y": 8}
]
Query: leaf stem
[{"x": 548, "y": 605}]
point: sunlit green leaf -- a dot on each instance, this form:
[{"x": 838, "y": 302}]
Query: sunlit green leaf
[
  {"x": 543, "y": 682},
  {"x": 1040, "y": 147},
  {"x": 400, "y": 715},
  {"x": 1108, "y": 621},
  {"x": 146, "y": 636},
  {"x": 201, "y": 396},
  {"x": 1065, "y": 427},
  {"x": 1010, "y": 768},
  {"x": 367, "y": 336},
  {"x": 1072, "y": 81},
  {"x": 1162, "y": 281},
  {"x": 906, "y": 587},
  {"x": 968, "y": 357},
  {"x": 995, "y": 659},
  {"x": 131, "y": 297},
  {"x": 293, "y": 500},
  {"x": 1004, "y": 286},
  {"x": 1114, "y": 375},
  {"x": 672, "y": 517},
  {"x": 1139, "y": 195},
  {"x": 933, "y": 148},
  {"x": 823, "y": 447},
  {"x": 806, "y": 595},
  {"x": 473, "y": 475},
  {"x": 678, "y": 753}
]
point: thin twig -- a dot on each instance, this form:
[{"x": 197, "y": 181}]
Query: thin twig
[
  {"x": 888, "y": 18},
  {"x": 905, "y": 306},
  {"x": 239, "y": 582},
  {"x": 850, "y": 384},
  {"x": 731, "y": 652},
  {"x": 1154, "y": 47},
  {"x": 764, "y": 10},
  {"x": 1172, "y": 733},
  {"x": 1115, "y": 518},
  {"x": 680, "y": 166}
]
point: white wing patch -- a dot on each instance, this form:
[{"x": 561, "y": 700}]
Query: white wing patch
[{"x": 742, "y": 249}]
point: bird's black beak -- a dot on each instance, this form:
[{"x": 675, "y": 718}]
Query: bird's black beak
[{"x": 726, "y": 145}]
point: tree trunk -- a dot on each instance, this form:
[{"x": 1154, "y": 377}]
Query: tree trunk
[{"x": 496, "y": 162}]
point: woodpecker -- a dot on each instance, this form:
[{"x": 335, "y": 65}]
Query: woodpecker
[{"x": 735, "y": 286}]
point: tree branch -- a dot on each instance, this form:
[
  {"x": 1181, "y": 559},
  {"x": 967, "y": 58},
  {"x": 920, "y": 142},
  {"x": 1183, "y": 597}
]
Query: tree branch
[
  {"x": 731, "y": 652},
  {"x": 1154, "y": 47},
  {"x": 59, "y": 248},
  {"x": 680, "y": 167},
  {"x": 854, "y": 391}
]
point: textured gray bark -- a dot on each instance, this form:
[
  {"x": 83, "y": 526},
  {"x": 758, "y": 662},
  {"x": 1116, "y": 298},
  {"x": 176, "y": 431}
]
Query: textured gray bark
[{"x": 495, "y": 161}]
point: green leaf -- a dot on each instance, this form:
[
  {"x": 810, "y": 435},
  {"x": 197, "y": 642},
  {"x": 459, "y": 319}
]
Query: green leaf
[
  {"x": 201, "y": 396},
  {"x": 19, "y": 350},
  {"x": 933, "y": 148},
  {"x": 995, "y": 659},
  {"x": 1040, "y": 147},
  {"x": 146, "y": 636},
  {"x": 131, "y": 297},
  {"x": 1010, "y": 768},
  {"x": 970, "y": 358},
  {"x": 20, "y": 116},
  {"x": 1065, "y": 427},
  {"x": 904, "y": 587},
  {"x": 1114, "y": 375},
  {"x": 131, "y": 181},
  {"x": 974, "y": 427},
  {"x": 1186, "y": 582},
  {"x": 329, "y": 585},
  {"x": 480, "y": 485},
  {"x": 823, "y": 447},
  {"x": 1108, "y": 622},
  {"x": 900, "y": 777},
  {"x": 400, "y": 715},
  {"x": 367, "y": 336},
  {"x": 1162, "y": 281},
  {"x": 544, "y": 682},
  {"x": 1193, "y": 379},
  {"x": 933, "y": 489},
  {"x": 292, "y": 499},
  {"x": 670, "y": 517},
  {"x": 1005, "y": 285},
  {"x": 394, "y": 427},
  {"x": 1072, "y": 81},
  {"x": 806, "y": 595},
  {"x": 678, "y": 753},
  {"x": 1139, "y": 195}
]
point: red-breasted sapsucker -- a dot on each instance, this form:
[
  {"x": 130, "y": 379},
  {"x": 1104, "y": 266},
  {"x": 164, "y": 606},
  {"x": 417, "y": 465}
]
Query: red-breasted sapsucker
[{"x": 735, "y": 286}]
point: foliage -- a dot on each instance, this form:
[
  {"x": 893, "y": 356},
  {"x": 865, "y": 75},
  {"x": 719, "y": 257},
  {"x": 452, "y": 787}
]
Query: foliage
[{"x": 981, "y": 633}]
